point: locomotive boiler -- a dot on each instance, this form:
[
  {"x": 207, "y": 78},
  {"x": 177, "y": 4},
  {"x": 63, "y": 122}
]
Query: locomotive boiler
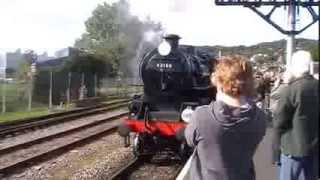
[{"x": 176, "y": 80}]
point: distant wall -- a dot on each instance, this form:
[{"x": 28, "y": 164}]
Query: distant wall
[{"x": 13, "y": 60}]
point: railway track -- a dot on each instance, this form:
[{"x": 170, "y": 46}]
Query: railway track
[
  {"x": 37, "y": 150},
  {"x": 57, "y": 114},
  {"x": 137, "y": 165},
  {"x": 51, "y": 119},
  {"x": 127, "y": 169}
]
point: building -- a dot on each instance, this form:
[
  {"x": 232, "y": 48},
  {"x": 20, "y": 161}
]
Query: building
[
  {"x": 2, "y": 66},
  {"x": 13, "y": 60},
  {"x": 62, "y": 52},
  {"x": 44, "y": 57}
]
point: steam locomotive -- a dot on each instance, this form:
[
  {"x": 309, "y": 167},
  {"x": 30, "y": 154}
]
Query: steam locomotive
[{"x": 176, "y": 80}]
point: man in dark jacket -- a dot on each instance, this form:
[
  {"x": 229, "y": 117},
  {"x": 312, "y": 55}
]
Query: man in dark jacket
[{"x": 296, "y": 122}]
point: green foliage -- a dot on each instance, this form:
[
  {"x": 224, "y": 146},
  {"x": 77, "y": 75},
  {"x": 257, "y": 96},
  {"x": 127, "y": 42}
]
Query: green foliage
[
  {"x": 83, "y": 62},
  {"x": 273, "y": 49},
  {"x": 20, "y": 115},
  {"x": 114, "y": 34},
  {"x": 315, "y": 52},
  {"x": 22, "y": 73},
  {"x": 29, "y": 56},
  {"x": 16, "y": 97}
]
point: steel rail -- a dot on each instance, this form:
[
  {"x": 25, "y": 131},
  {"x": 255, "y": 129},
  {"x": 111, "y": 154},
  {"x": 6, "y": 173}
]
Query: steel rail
[
  {"x": 57, "y": 150},
  {"x": 56, "y": 135},
  {"x": 8, "y": 124},
  {"x": 126, "y": 170},
  {"x": 59, "y": 119}
]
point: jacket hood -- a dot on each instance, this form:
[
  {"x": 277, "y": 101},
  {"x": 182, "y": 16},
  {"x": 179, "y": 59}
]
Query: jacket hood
[{"x": 229, "y": 116}]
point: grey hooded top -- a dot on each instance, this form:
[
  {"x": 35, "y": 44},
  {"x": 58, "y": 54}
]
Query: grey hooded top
[{"x": 225, "y": 139}]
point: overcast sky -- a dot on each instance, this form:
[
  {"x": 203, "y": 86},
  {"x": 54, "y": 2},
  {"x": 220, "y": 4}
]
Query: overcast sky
[{"x": 49, "y": 25}]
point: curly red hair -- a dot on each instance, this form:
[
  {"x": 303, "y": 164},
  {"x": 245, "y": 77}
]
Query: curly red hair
[{"x": 235, "y": 75}]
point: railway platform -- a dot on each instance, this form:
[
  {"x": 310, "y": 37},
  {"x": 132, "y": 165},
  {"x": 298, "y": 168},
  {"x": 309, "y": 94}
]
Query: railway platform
[{"x": 262, "y": 159}]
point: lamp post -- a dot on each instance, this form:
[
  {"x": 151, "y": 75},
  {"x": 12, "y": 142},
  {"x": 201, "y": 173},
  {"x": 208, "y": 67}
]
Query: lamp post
[
  {"x": 50, "y": 89},
  {"x": 95, "y": 85},
  {"x": 69, "y": 88},
  {"x": 119, "y": 83},
  {"x": 33, "y": 71},
  {"x": 82, "y": 91},
  {"x": 4, "y": 91}
]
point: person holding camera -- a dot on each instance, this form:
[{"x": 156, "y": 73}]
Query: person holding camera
[{"x": 225, "y": 134}]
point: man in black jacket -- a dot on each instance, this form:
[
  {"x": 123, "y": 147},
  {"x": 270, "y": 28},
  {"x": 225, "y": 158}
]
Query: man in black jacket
[{"x": 296, "y": 122}]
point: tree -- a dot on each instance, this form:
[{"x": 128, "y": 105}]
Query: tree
[
  {"x": 23, "y": 72},
  {"x": 114, "y": 34},
  {"x": 315, "y": 52}
]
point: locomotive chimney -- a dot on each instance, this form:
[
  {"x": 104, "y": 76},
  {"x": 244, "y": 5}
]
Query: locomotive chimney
[{"x": 173, "y": 40}]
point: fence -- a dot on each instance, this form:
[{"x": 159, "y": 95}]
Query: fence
[
  {"x": 120, "y": 87},
  {"x": 50, "y": 90},
  {"x": 14, "y": 96}
]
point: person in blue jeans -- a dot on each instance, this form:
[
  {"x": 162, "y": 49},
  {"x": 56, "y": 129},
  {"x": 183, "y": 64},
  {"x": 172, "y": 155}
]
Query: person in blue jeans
[{"x": 296, "y": 122}]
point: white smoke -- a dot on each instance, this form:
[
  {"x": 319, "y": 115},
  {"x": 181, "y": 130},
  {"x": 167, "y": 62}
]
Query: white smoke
[
  {"x": 152, "y": 36},
  {"x": 150, "y": 39},
  {"x": 179, "y": 6}
]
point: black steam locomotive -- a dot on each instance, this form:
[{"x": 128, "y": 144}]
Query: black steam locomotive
[{"x": 175, "y": 82}]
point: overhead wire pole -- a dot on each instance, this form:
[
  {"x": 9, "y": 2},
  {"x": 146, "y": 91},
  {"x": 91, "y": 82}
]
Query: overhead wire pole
[
  {"x": 292, "y": 28},
  {"x": 293, "y": 5}
]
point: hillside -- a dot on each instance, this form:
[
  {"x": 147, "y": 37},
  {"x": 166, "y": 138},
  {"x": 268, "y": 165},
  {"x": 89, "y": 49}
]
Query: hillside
[{"x": 273, "y": 49}]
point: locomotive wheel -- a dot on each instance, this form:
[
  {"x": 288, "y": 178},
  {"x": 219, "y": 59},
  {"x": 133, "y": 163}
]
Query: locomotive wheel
[
  {"x": 138, "y": 149},
  {"x": 184, "y": 152}
]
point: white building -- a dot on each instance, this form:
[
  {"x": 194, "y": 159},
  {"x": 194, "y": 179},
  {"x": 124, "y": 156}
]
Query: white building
[{"x": 3, "y": 65}]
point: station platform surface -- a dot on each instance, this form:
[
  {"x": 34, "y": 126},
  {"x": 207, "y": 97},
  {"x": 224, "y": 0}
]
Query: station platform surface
[{"x": 262, "y": 159}]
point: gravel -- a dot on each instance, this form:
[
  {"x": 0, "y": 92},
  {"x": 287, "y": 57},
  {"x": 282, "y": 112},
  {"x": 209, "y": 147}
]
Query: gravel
[
  {"x": 45, "y": 131},
  {"x": 96, "y": 160},
  {"x": 156, "y": 170},
  {"x": 49, "y": 145}
]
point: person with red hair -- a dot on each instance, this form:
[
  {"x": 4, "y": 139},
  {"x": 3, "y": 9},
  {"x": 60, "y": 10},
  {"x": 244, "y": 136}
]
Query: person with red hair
[{"x": 225, "y": 134}]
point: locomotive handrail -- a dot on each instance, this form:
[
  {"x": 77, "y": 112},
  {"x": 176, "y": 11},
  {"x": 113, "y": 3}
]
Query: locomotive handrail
[
  {"x": 202, "y": 88},
  {"x": 146, "y": 118}
]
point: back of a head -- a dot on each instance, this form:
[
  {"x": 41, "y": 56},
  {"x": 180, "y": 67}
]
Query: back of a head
[
  {"x": 235, "y": 75},
  {"x": 300, "y": 63},
  {"x": 287, "y": 77}
]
